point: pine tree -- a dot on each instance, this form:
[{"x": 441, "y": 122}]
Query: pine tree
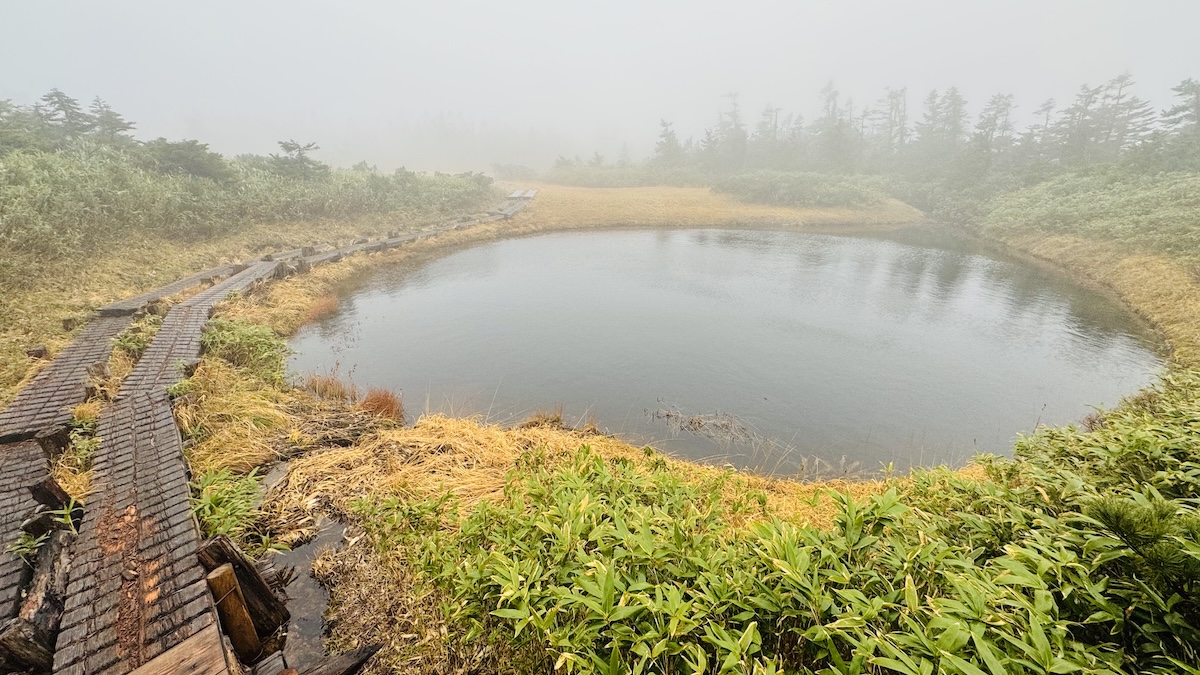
[
  {"x": 1182, "y": 122},
  {"x": 833, "y": 133},
  {"x": 668, "y": 151},
  {"x": 64, "y": 115},
  {"x": 993, "y": 137},
  {"x": 1077, "y": 129},
  {"x": 108, "y": 125}
]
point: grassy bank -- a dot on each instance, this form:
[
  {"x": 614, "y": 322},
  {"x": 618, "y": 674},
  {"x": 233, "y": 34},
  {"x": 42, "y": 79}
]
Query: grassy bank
[{"x": 544, "y": 549}]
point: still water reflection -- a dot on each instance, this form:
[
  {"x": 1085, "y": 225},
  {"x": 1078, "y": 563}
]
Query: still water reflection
[{"x": 757, "y": 348}]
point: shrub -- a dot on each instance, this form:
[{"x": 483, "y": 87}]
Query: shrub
[
  {"x": 802, "y": 189},
  {"x": 253, "y": 349},
  {"x": 1079, "y": 556}
]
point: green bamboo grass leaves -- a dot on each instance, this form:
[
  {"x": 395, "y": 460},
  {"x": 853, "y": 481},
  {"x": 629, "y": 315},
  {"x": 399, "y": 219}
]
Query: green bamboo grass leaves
[
  {"x": 92, "y": 195},
  {"x": 1059, "y": 562}
]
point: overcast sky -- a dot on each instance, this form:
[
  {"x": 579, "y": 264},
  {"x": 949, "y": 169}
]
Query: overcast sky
[{"x": 525, "y": 80}]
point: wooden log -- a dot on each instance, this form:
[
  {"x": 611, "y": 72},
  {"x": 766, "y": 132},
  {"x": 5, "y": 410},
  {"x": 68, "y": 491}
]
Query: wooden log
[
  {"x": 348, "y": 663},
  {"x": 46, "y": 597},
  {"x": 267, "y": 611},
  {"x": 49, "y": 493},
  {"x": 231, "y": 608},
  {"x": 22, "y": 648},
  {"x": 41, "y": 522}
]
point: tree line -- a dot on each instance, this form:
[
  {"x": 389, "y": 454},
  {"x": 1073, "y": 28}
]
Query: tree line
[
  {"x": 73, "y": 177},
  {"x": 1101, "y": 125}
]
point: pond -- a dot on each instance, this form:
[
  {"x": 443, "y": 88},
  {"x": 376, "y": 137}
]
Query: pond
[{"x": 781, "y": 352}]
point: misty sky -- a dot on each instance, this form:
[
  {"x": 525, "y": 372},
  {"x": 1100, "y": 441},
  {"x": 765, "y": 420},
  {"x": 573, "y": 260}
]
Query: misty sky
[{"x": 456, "y": 85}]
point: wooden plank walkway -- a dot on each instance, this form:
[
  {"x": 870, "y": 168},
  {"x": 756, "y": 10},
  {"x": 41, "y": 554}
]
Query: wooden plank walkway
[
  {"x": 138, "y": 302},
  {"x": 137, "y": 600},
  {"x": 178, "y": 339},
  {"x": 136, "y": 587},
  {"x": 21, "y": 465},
  {"x": 46, "y": 402},
  {"x": 201, "y": 654}
]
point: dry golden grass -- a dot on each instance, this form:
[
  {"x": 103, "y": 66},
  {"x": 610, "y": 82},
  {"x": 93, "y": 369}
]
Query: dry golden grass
[
  {"x": 72, "y": 468},
  {"x": 329, "y": 387},
  {"x": 382, "y": 403},
  {"x": 471, "y": 460},
  {"x": 324, "y": 306},
  {"x": 232, "y": 418},
  {"x": 71, "y": 477},
  {"x": 87, "y": 412},
  {"x": 559, "y": 207}
]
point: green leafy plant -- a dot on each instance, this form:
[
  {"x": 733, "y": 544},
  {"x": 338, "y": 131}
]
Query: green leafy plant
[
  {"x": 27, "y": 546},
  {"x": 254, "y": 349},
  {"x": 137, "y": 337},
  {"x": 225, "y": 503}
]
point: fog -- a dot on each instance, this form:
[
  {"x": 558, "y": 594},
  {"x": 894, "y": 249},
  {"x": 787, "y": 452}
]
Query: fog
[{"x": 458, "y": 85}]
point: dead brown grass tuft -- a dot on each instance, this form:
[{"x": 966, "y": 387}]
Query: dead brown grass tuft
[
  {"x": 324, "y": 306},
  {"x": 329, "y": 387},
  {"x": 87, "y": 412},
  {"x": 232, "y": 419},
  {"x": 382, "y": 403}
]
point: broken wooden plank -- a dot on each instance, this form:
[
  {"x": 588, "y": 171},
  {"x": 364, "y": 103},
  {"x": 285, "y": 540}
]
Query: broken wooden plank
[
  {"x": 200, "y": 654},
  {"x": 235, "y": 619},
  {"x": 46, "y": 597},
  {"x": 267, "y": 611},
  {"x": 22, "y": 648}
]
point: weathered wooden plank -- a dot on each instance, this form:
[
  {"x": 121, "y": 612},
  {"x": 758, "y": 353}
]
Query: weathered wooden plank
[
  {"x": 200, "y": 654},
  {"x": 137, "y": 302},
  {"x": 235, "y": 619},
  {"x": 46, "y": 402},
  {"x": 45, "y": 599},
  {"x": 267, "y": 611},
  {"x": 22, "y": 647}
]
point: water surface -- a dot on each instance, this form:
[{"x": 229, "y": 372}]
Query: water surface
[{"x": 757, "y": 348}]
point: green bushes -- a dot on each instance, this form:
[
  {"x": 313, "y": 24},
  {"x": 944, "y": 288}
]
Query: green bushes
[
  {"x": 253, "y": 349},
  {"x": 1156, "y": 212},
  {"x": 1080, "y": 556},
  {"x": 91, "y": 195},
  {"x": 803, "y": 189}
]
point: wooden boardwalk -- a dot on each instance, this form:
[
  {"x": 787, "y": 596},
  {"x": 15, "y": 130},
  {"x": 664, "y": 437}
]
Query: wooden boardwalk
[
  {"x": 136, "y": 587},
  {"x": 178, "y": 339},
  {"x": 136, "y": 596},
  {"x": 137, "y": 302},
  {"x": 21, "y": 465},
  {"x": 45, "y": 404}
]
